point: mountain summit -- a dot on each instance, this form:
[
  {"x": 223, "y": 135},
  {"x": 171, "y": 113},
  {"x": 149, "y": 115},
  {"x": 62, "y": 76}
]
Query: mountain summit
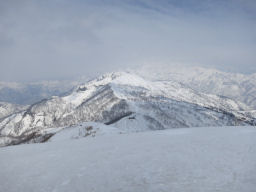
[{"x": 128, "y": 102}]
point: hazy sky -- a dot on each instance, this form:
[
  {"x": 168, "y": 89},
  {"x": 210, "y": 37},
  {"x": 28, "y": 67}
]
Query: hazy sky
[{"x": 56, "y": 39}]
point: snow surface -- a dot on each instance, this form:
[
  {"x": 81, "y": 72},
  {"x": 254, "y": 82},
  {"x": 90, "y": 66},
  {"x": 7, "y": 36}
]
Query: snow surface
[
  {"x": 87, "y": 129},
  {"x": 188, "y": 160}
]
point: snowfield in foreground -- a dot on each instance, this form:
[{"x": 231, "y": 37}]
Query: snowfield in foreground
[{"x": 187, "y": 160}]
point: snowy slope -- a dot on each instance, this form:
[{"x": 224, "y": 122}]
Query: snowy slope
[
  {"x": 187, "y": 160},
  {"x": 82, "y": 130},
  {"x": 130, "y": 103},
  {"x": 239, "y": 87},
  {"x": 9, "y": 108}
]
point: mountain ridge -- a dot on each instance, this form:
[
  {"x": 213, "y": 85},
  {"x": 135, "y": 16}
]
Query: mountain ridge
[
  {"x": 236, "y": 86},
  {"x": 129, "y": 102}
]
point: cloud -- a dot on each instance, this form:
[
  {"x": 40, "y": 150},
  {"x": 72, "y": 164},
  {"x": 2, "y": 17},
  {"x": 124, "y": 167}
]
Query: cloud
[{"x": 64, "y": 39}]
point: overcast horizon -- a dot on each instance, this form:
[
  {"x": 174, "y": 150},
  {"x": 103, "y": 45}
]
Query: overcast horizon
[{"x": 61, "y": 39}]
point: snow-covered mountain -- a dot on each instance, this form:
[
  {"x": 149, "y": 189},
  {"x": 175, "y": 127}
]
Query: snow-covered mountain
[
  {"x": 239, "y": 87},
  {"x": 9, "y": 108},
  {"x": 29, "y": 93},
  {"x": 128, "y": 102}
]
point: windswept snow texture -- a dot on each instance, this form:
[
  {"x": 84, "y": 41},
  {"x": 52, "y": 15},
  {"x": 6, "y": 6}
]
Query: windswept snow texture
[{"x": 187, "y": 160}]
